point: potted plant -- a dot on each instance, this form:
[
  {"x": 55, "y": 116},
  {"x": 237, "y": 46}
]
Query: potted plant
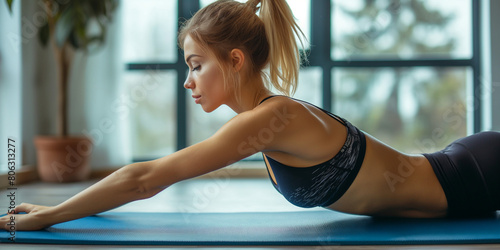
[{"x": 70, "y": 26}]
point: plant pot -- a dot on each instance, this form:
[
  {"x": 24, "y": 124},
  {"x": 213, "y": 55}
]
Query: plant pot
[{"x": 63, "y": 159}]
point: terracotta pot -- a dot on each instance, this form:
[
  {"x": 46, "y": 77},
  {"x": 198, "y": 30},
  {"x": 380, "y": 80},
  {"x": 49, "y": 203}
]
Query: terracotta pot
[{"x": 63, "y": 159}]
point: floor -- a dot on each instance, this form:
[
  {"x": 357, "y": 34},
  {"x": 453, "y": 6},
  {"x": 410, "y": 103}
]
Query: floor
[{"x": 215, "y": 194}]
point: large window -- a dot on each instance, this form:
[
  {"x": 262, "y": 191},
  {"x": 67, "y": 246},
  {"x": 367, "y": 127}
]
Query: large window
[
  {"x": 401, "y": 70},
  {"x": 404, "y": 71},
  {"x": 151, "y": 78}
]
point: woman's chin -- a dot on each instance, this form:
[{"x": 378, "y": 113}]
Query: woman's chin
[{"x": 207, "y": 108}]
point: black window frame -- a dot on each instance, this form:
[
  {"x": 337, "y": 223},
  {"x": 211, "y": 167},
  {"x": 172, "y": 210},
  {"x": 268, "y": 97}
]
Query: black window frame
[{"x": 320, "y": 57}]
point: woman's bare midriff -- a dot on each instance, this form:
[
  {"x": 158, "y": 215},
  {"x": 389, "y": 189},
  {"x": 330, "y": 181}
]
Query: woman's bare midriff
[{"x": 393, "y": 184}]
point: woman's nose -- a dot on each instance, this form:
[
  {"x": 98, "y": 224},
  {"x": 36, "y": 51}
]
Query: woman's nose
[{"x": 188, "y": 84}]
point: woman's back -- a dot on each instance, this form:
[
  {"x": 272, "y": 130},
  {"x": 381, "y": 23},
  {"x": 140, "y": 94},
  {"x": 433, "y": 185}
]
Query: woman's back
[{"x": 389, "y": 182}]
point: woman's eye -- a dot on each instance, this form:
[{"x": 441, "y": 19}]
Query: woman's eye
[{"x": 196, "y": 68}]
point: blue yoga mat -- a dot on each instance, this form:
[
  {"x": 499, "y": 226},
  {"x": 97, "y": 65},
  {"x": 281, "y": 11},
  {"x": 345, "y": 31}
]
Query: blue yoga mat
[{"x": 274, "y": 228}]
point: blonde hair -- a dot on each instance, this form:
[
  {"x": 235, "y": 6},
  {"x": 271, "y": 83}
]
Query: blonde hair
[{"x": 268, "y": 41}]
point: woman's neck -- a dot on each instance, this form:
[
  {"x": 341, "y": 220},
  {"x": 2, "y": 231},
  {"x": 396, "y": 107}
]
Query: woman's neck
[{"x": 250, "y": 95}]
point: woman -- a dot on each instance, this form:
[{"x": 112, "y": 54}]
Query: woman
[{"x": 314, "y": 158}]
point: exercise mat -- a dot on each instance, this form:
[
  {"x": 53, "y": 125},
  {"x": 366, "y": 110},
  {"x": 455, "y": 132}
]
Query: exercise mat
[{"x": 270, "y": 228}]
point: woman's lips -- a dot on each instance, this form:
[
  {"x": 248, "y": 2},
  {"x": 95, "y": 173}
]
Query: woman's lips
[{"x": 196, "y": 98}]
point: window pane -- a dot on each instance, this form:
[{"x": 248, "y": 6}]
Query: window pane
[
  {"x": 411, "y": 109},
  {"x": 150, "y": 30},
  {"x": 301, "y": 10},
  {"x": 150, "y": 101},
  {"x": 310, "y": 87},
  {"x": 390, "y": 29},
  {"x": 202, "y": 125}
]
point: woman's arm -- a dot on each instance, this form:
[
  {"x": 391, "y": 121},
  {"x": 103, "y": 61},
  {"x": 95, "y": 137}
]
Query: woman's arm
[
  {"x": 116, "y": 189},
  {"x": 237, "y": 139}
]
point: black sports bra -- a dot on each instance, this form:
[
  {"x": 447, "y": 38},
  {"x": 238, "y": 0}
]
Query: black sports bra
[{"x": 325, "y": 183}]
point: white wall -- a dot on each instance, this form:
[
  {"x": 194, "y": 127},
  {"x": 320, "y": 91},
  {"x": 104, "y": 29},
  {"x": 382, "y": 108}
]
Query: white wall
[
  {"x": 10, "y": 82},
  {"x": 96, "y": 88},
  {"x": 38, "y": 81}
]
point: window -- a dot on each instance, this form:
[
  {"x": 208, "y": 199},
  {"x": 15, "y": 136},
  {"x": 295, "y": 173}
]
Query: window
[
  {"x": 415, "y": 109},
  {"x": 384, "y": 65},
  {"x": 422, "y": 106},
  {"x": 149, "y": 89},
  {"x": 148, "y": 32},
  {"x": 151, "y": 98},
  {"x": 401, "y": 29}
]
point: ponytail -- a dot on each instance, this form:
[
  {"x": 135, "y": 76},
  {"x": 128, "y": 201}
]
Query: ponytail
[
  {"x": 284, "y": 54},
  {"x": 268, "y": 41}
]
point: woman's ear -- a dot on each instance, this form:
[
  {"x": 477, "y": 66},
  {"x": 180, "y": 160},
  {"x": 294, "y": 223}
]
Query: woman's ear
[{"x": 238, "y": 59}]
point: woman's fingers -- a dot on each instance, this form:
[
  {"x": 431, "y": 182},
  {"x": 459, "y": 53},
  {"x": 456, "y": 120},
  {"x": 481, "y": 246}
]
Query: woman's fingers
[
  {"x": 4, "y": 222},
  {"x": 24, "y": 222},
  {"x": 24, "y": 207},
  {"x": 21, "y": 222}
]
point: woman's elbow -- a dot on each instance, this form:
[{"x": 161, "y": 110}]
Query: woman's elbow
[{"x": 137, "y": 178}]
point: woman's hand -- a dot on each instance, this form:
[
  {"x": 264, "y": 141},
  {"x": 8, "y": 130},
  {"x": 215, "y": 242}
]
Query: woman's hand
[{"x": 30, "y": 221}]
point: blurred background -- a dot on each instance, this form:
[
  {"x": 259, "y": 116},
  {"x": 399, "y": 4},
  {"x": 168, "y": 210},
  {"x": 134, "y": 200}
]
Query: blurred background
[{"x": 416, "y": 74}]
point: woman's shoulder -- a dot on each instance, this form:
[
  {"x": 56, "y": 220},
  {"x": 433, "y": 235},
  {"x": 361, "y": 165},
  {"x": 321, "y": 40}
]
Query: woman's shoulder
[
  {"x": 282, "y": 110},
  {"x": 275, "y": 112},
  {"x": 307, "y": 113},
  {"x": 296, "y": 127},
  {"x": 294, "y": 132},
  {"x": 280, "y": 106}
]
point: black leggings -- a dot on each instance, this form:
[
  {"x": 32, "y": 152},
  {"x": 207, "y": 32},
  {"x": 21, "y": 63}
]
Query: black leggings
[{"x": 469, "y": 172}]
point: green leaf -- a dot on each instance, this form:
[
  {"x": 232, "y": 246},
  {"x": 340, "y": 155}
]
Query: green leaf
[
  {"x": 94, "y": 43},
  {"x": 9, "y": 3},
  {"x": 75, "y": 19},
  {"x": 44, "y": 34},
  {"x": 64, "y": 26},
  {"x": 80, "y": 33},
  {"x": 73, "y": 41}
]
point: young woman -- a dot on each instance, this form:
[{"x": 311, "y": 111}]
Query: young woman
[{"x": 314, "y": 158}]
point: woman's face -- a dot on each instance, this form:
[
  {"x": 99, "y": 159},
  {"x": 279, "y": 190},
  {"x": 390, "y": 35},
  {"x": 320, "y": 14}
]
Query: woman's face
[{"x": 205, "y": 77}]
